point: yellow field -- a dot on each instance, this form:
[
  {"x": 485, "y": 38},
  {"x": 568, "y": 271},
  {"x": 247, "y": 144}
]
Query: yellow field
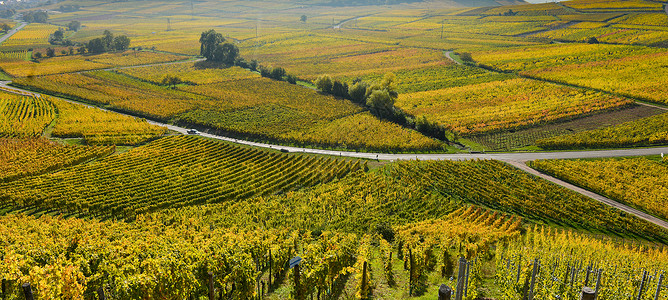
[{"x": 31, "y": 36}]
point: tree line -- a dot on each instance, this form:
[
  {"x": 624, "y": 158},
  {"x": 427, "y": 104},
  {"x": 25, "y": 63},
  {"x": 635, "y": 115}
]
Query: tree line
[
  {"x": 379, "y": 98},
  {"x": 108, "y": 42}
]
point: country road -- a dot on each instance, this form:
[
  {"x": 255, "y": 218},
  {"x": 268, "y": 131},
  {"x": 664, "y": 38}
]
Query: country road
[{"x": 517, "y": 160}]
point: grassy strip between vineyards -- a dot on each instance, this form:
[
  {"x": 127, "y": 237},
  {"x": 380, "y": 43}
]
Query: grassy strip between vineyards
[
  {"x": 638, "y": 182},
  {"x": 171, "y": 172}
]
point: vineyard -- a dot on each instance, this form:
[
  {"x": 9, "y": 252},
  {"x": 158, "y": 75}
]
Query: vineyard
[
  {"x": 28, "y": 157},
  {"x": 492, "y": 106},
  {"x": 168, "y": 173},
  {"x": 98, "y": 127},
  {"x": 642, "y": 132},
  {"x": 24, "y": 116},
  {"x": 95, "y": 204},
  {"x": 638, "y": 182}
]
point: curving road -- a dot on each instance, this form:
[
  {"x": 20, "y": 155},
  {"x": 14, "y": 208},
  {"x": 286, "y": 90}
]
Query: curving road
[{"x": 515, "y": 159}]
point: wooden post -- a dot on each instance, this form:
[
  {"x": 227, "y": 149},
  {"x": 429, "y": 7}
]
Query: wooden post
[
  {"x": 410, "y": 272},
  {"x": 270, "y": 263},
  {"x": 519, "y": 268},
  {"x": 587, "y": 294},
  {"x": 27, "y": 291},
  {"x": 536, "y": 269},
  {"x": 298, "y": 291},
  {"x": 4, "y": 289},
  {"x": 587, "y": 277},
  {"x": 642, "y": 284},
  {"x": 658, "y": 286},
  {"x": 100, "y": 293},
  {"x": 364, "y": 281},
  {"x": 466, "y": 283},
  {"x": 460, "y": 279},
  {"x": 444, "y": 292},
  {"x": 212, "y": 295},
  {"x": 598, "y": 282}
]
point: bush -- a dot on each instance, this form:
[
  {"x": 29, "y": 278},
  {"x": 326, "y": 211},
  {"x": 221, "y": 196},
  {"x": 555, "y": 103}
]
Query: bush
[{"x": 324, "y": 84}]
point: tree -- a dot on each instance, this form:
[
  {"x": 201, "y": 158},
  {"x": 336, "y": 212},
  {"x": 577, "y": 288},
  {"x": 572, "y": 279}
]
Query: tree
[
  {"x": 226, "y": 53},
  {"x": 82, "y": 50},
  {"x": 277, "y": 73},
  {"x": 324, "y": 84},
  {"x": 357, "y": 91},
  {"x": 381, "y": 103},
  {"x": 35, "y": 17},
  {"x": 6, "y": 27},
  {"x": 50, "y": 52},
  {"x": 592, "y": 40},
  {"x": 121, "y": 43},
  {"x": 58, "y": 35},
  {"x": 37, "y": 55},
  {"x": 291, "y": 78},
  {"x": 74, "y": 26},
  {"x": 466, "y": 57},
  {"x": 303, "y": 18},
  {"x": 171, "y": 80},
  {"x": 340, "y": 89},
  {"x": 209, "y": 40},
  {"x": 108, "y": 40},
  {"x": 71, "y": 50},
  {"x": 96, "y": 45}
]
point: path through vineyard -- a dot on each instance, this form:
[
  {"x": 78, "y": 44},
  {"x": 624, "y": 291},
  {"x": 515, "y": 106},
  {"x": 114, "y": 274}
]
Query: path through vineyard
[
  {"x": 12, "y": 32},
  {"x": 517, "y": 160}
]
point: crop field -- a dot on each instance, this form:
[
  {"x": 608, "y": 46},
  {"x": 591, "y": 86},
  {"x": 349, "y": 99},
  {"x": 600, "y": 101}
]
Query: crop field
[
  {"x": 642, "y": 132},
  {"x": 497, "y": 105},
  {"x": 33, "y": 35},
  {"x": 179, "y": 162},
  {"x": 95, "y": 199},
  {"x": 27, "y": 157},
  {"x": 24, "y": 116},
  {"x": 96, "y": 126},
  {"x": 638, "y": 182},
  {"x": 513, "y": 139},
  {"x": 78, "y": 63}
]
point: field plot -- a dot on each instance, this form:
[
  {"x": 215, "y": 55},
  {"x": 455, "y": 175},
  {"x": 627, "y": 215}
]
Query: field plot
[
  {"x": 24, "y": 116},
  {"x": 610, "y": 5},
  {"x": 638, "y": 182},
  {"x": 189, "y": 72},
  {"x": 437, "y": 77},
  {"x": 239, "y": 103},
  {"x": 168, "y": 173},
  {"x": 77, "y": 63},
  {"x": 499, "y": 186},
  {"x": 119, "y": 91},
  {"x": 27, "y": 157},
  {"x": 643, "y": 132},
  {"x": 513, "y": 139},
  {"x": 31, "y": 36},
  {"x": 513, "y": 103},
  {"x": 98, "y": 127}
]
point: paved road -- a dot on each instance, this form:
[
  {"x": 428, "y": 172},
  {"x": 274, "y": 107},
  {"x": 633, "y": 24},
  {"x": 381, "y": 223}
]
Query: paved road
[
  {"x": 12, "y": 32},
  {"x": 448, "y": 55},
  {"x": 516, "y": 159},
  {"x": 523, "y": 166}
]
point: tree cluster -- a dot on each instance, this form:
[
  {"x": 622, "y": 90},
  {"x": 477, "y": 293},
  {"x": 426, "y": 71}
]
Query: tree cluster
[
  {"x": 508, "y": 13},
  {"x": 214, "y": 48},
  {"x": 108, "y": 43},
  {"x": 74, "y": 26},
  {"x": 7, "y": 13},
  {"x": 277, "y": 73},
  {"x": 5, "y": 27},
  {"x": 171, "y": 81},
  {"x": 35, "y": 16},
  {"x": 379, "y": 98},
  {"x": 69, "y": 8},
  {"x": 367, "y": 2}
]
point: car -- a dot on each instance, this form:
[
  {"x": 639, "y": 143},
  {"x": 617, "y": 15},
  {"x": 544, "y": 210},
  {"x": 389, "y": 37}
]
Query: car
[{"x": 192, "y": 131}]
